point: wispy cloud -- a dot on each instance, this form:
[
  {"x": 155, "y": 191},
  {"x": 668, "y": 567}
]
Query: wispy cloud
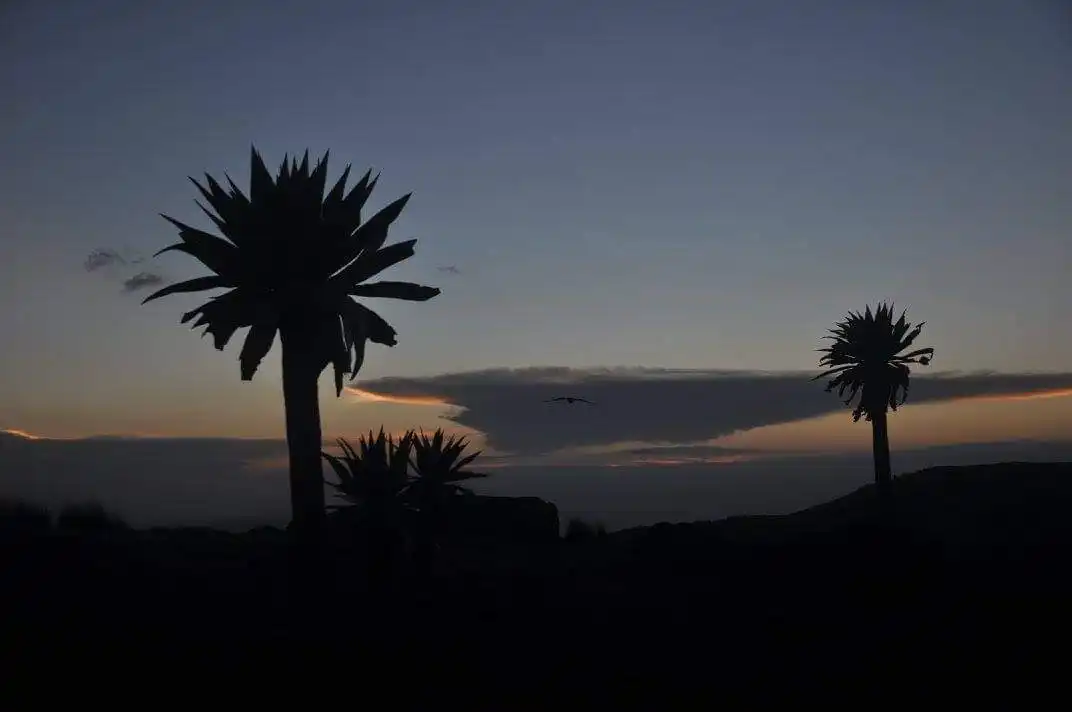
[
  {"x": 142, "y": 280},
  {"x": 653, "y": 405},
  {"x": 672, "y": 455},
  {"x": 112, "y": 263},
  {"x": 102, "y": 257}
]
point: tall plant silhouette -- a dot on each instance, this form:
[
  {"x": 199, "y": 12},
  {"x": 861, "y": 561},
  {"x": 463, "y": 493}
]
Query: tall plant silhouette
[
  {"x": 292, "y": 259},
  {"x": 438, "y": 469},
  {"x": 866, "y": 361},
  {"x": 372, "y": 478}
]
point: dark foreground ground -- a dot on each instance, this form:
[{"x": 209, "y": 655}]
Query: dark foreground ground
[{"x": 967, "y": 589}]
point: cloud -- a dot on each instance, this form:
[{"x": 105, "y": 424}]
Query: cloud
[
  {"x": 684, "y": 454},
  {"x": 141, "y": 280},
  {"x": 112, "y": 263},
  {"x": 102, "y": 257},
  {"x": 688, "y": 450},
  {"x": 653, "y": 405}
]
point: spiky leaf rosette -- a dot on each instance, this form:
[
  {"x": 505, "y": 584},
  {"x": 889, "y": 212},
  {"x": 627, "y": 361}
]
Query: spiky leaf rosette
[
  {"x": 866, "y": 359},
  {"x": 438, "y": 462},
  {"x": 292, "y": 257},
  {"x": 375, "y": 471}
]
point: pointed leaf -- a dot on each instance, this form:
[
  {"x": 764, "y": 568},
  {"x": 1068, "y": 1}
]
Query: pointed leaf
[
  {"x": 258, "y": 344},
  {"x": 219, "y": 195},
  {"x": 377, "y": 329},
  {"x": 215, "y": 253},
  {"x": 198, "y": 284},
  {"x": 369, "y": 264},
  {"x": 354, "y": 323},
  {"x": 912, "y": 336},
  {"x": 220, "y": 224},
  {"x": 467, "y": 459},
  {"x": 261, "y": 184},
  {"x": 334, "y": 349},
  {"x": 228, "y": 312},
  {"x": 236, "y": 192},
  {"x": 373, "y": 233},
  {"x": 395, "y": 290},
  {"x": 223, "y": 203},
  {"x": 337, "y": 466},
  {"x": 359, "y": 357},
  {"x": 348, "y": 449},
  {"x": 208, "y": 196},
  {"x": 359, "y": 194},
  {"x": 918, "y": 352},
  {"x": 334, "y": 197},
  {"x": 318, "y": 179},
  {"x": 231, "y": 209},
  {"x": 346, "y": 212}
]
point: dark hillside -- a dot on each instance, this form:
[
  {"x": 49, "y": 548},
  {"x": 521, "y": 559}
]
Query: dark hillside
[{"x": 969, "y": 574}]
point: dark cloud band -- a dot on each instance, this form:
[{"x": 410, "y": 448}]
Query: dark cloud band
[{"x": 658, "y": 405}]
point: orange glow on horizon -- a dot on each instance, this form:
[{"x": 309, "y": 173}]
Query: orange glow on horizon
[
  {"x": 267, "y": 464},
  {"x": 1038, "y": 415},
  {"x": 1027, "y": 395},
  {"x": 672, "y": 461},
  {"x": 401, "y": 400},
  {"x": 20, "y": 434}
]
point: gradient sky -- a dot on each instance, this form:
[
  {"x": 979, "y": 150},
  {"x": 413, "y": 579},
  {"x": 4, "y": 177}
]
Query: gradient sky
[{"x": 673, "y": 184}]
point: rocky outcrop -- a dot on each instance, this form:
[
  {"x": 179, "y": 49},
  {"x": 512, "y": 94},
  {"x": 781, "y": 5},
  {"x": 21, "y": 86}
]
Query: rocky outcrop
[{"x": 518, "y": 520}]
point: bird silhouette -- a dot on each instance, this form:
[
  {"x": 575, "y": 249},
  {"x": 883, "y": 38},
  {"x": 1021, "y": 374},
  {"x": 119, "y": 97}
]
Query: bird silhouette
[
  {"x": 450, "y": 269},
  {"x": 569, "y": 399}
]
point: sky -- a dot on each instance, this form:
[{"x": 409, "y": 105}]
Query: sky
[{"x": 597, "y": 187}]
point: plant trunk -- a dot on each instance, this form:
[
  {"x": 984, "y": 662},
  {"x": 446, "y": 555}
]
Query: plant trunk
[
  {"x": 881, "y": 450},
  {"x": 301, "y": 403}
]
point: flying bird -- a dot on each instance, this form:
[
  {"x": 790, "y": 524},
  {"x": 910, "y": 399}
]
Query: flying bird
[
  {"x": 569, "y": 399},
  {"x": 451, "y": 269}
]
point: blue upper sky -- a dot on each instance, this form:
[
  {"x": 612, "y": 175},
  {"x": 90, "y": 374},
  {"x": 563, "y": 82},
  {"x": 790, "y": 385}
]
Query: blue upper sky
[{"x": 673, "y": 183}]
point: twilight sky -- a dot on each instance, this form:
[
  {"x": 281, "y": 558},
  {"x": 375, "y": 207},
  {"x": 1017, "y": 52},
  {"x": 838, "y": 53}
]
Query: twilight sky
[{"x": 671, "y": 185}]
